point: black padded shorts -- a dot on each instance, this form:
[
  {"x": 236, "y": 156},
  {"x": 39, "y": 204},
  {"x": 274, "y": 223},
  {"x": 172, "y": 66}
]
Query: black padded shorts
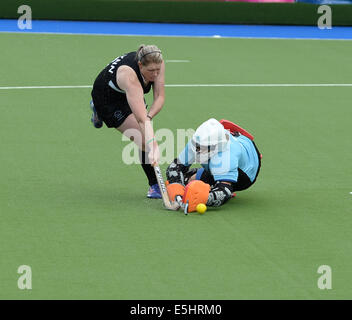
[{"x": 111, "y": 106}]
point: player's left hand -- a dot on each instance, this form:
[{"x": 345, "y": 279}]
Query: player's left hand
[
  {"x": 176, "y": 171},
  {"x": 154, "y": 154}
]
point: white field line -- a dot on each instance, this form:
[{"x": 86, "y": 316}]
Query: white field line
[
  {"x": 182, "y": 61},
  {"x": 199, "y": 85}
]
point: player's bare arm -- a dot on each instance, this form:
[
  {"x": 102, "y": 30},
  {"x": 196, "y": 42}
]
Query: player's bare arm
[
  {"x": 158, "y": 92},
  {"x": 127, "y": 80}
]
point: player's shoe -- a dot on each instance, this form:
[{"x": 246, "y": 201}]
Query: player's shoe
[
  {"x": 154, "y": 192},
  {"x": 95, "y": 119}
]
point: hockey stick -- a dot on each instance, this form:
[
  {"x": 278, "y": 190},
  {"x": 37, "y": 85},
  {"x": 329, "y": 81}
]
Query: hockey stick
[{"x": 166, "y": 201}]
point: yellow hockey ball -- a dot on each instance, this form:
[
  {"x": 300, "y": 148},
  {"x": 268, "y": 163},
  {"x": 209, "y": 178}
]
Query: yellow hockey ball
[{"x": 201, "y": 208}]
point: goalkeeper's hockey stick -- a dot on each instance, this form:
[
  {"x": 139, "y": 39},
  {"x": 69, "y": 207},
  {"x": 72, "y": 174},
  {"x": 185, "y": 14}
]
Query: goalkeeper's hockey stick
[{"x": 167, "y": 204}]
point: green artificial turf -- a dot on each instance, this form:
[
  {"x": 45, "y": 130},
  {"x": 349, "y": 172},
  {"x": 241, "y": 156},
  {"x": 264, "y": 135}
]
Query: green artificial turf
[{"x": 79, "y": 217}]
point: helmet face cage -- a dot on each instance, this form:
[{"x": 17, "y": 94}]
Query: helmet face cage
[
  {"x": 209, "y": 139},
  {"x": 202, "y": 149},
  {"x": 203, "y": 153}
]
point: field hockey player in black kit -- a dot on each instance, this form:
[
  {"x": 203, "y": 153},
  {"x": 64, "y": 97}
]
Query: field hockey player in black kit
[{"x": 118, "y": 101}]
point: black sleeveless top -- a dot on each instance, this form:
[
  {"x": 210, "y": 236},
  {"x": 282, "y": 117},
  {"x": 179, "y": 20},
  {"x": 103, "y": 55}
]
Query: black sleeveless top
[{"x": 107, "y": 77}]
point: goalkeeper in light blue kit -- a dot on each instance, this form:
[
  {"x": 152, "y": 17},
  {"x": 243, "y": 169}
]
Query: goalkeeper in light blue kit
[{"x": 230, "y": 162}]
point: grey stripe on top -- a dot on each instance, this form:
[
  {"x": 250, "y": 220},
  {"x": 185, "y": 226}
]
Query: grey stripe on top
[{"x": 111, "y": 85}]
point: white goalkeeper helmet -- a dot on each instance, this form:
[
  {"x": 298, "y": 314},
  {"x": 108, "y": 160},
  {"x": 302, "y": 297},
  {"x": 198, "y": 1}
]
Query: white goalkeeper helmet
[{"x": 209, "y": 139}]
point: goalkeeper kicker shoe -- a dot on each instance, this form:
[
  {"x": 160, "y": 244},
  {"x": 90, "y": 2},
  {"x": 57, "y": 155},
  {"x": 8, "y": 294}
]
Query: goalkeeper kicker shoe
[
  {"x": 95, "y": 119},
  {"x": 154, "y": 192}
]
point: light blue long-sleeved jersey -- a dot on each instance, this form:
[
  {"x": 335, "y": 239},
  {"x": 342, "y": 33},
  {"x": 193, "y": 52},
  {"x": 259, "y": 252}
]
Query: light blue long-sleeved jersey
[{"x": 240, "y": 153}]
